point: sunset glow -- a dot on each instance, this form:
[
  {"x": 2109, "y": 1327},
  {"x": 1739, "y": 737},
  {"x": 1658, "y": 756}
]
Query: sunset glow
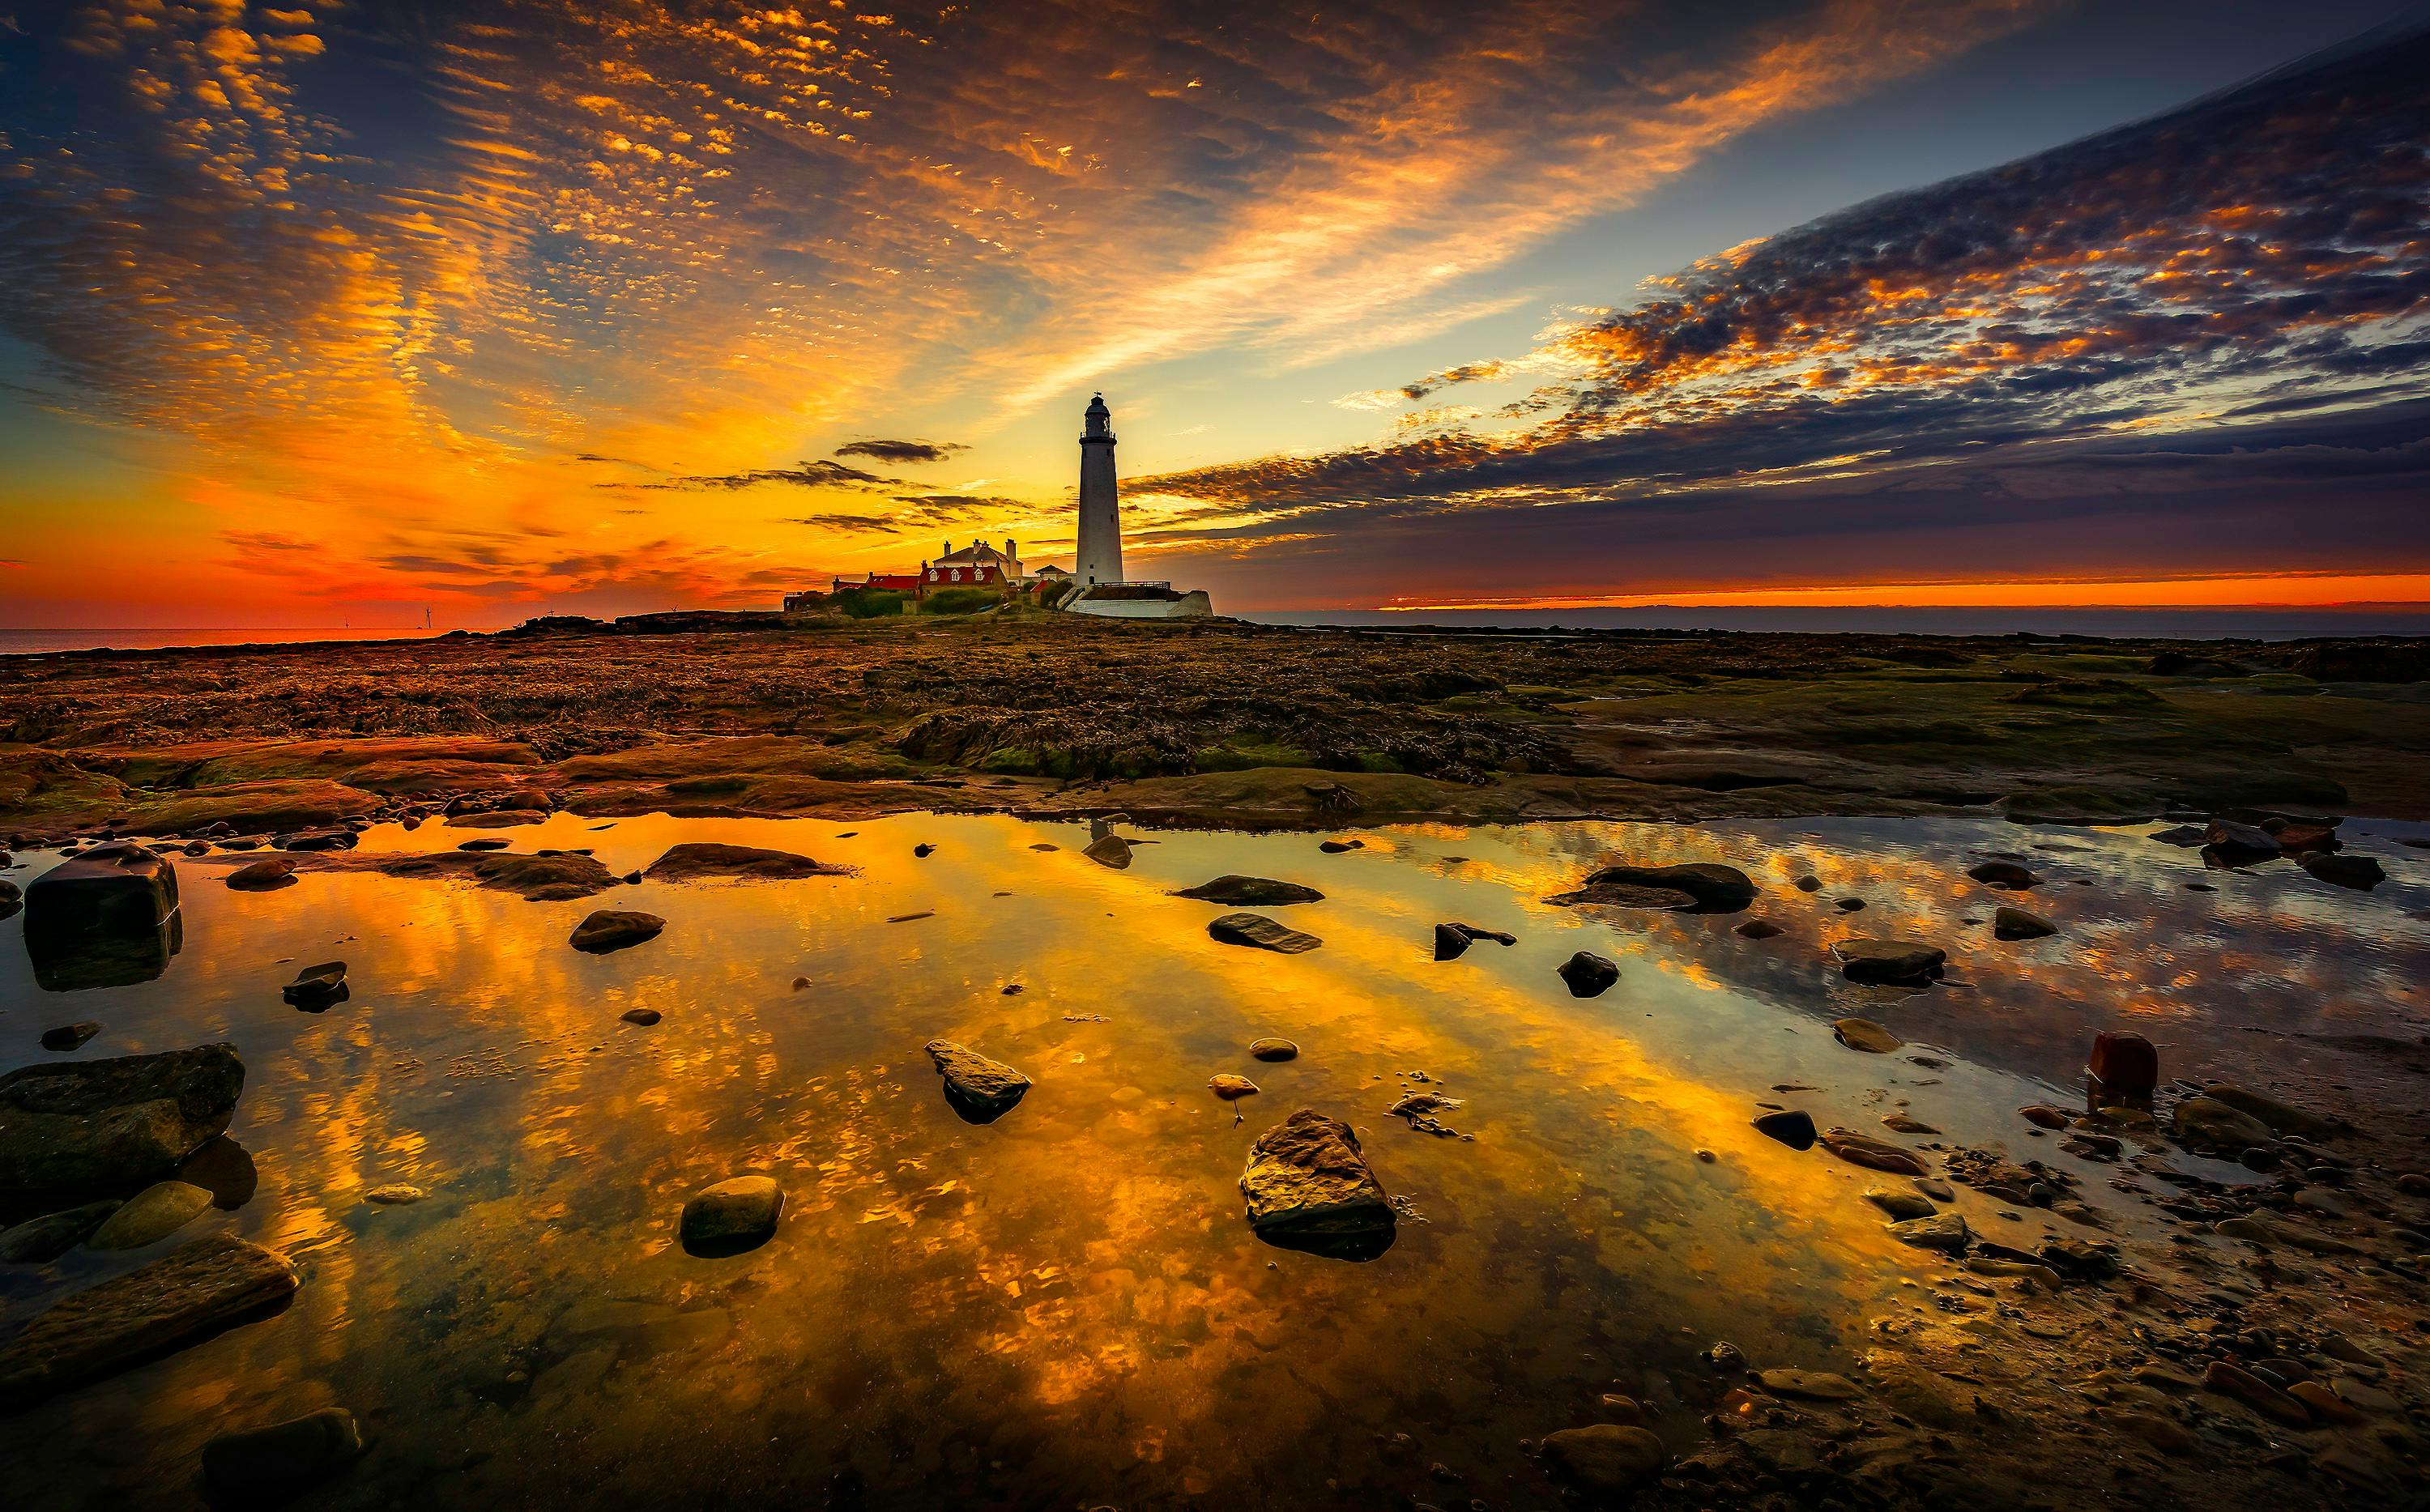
[{"x": 348, "y": 314}]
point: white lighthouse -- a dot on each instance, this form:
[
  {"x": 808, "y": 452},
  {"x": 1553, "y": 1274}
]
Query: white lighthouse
[{"x": 1099, "y": 558}]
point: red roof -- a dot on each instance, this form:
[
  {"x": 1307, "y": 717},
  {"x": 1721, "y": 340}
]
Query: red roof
[{"x": 949, "y": 574}]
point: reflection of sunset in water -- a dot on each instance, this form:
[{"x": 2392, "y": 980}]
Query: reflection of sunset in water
[{"x": 1066, "y": 1306}]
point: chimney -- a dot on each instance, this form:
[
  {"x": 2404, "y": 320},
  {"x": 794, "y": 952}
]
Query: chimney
[
  {"x": 1008, "y": 549},
  {"x": 949, "y": 547}
]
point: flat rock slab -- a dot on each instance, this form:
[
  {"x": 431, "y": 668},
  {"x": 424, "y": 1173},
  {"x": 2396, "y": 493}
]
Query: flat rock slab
[
  {"x": 1308, "y": 1187},
  {"x": 113, "y": 1121},
  {"x": 1714, "y": 886},
  {"x": 1606, "y": 1460},
  {"x": 980, "y": 1090},
  {"x": 1626, "y": 895},
  {"x": 182, "y": 1298},
  {"x": 317, "y": 986},
  {"x": 614, "y": 929},
  {"x": 67, "y": 1037},
  {"x": 1892, "y": 962},
  {"x": 268, "y": 1465},
  {"x": 694, "y": 860},
  {"x": 1256, "y": 929},
  {"x": 41, "y": 1240},
  {"x": 1250, "y": 892},
  {"x": 263, "y": 875},
  {"x": 1864, "y": 1034},
  {"x": 734, "y": 1215},
  {"x": 556, "y": 878},
  {"x": 1944, "y": 1232},
  {"x": 1109, "y": 850},
  {"x": 1790, "y": 1126},
  {"x": 1272, "y": 1049},
  {"x": 1813, "y": 1385},
  {"x": 1874, "y": 1154}
]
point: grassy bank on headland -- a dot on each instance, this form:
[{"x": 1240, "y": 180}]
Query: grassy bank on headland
[{"x": 1214, "y": 722}]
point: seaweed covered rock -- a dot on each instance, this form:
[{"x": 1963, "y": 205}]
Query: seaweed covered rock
[
  {"x": 1250, "y": 892},
  {"x": 113, "y": 1122},
  {"x": 1308, "y": 1187}
]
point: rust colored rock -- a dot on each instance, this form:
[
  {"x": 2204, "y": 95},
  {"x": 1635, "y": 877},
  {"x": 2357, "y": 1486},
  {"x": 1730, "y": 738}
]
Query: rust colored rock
[
  {"x": 2233, "y": 1380},
  {"x": 2122, "y": 1072},
  {"x": 1308, "y": 1187}
]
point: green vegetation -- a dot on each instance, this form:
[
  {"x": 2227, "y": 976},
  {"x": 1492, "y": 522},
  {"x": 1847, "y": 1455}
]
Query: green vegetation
[
  {"x": 868, "y": 603},
  {"x": 959, "y": 601}
]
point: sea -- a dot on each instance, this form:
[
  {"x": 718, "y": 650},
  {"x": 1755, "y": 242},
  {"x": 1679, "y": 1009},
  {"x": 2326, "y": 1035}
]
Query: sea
[{"x": 2183, "y": 625}]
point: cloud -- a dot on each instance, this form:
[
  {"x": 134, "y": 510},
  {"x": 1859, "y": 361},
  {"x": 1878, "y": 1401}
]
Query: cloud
[
  {"x": 801, "y": 474},
  {"x": 2256, "y": 249},
  {"x": 901, "y": 452}
]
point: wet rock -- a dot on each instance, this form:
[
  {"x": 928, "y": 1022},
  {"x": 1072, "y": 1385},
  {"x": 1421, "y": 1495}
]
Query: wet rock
[
  {"x": 68, "y": 1037},
  {"x": 1626, "y": 895},
  {"x": 2166, "y": 1434},
  {"x": 150, "y": 1216},
  {"x": 2043, "y": 1116},
  {"x": 2230, "y": 1379},
  {"x": 556, "y": 878},
  {"x": 11, "y": 896},
  {"x": 2019, "y": 924},
  {"x": 644, "y": 1017},
  {"x": 980, "y": 1090},
  {"x": 2206, "y": 1123},
  {"x": 1271, "y": 1048},
  {"x": 1606, "y": 1460},
  {"x": 1807, "y": 882},
  {"x": 1109, "y": 850},
  {"x": 1944, "y": 1232},
  {"x": 1588, "y": 975},
  {"x": 1450, "y": 942},
  {"x": 319, "y": 840},
  {"x": 2185, "y": 836},
  {"x": 1901, "y": 1205},
  {"x": 611, "y": 929},
  {"x": 1865, "y": 1035},
  {"x": 1813, "y": 1385},
  {"x": 2228, "y": 836},
  {"x": 41, "y": 1240},
  {"x": 396, "y": 1194},
  {"x": 107, "y": 918},
  {"x": 1250, "y": 892},
  {"x": 317, "y": 987},
  {"x": 924, "y": 850},
  {"x": 262, "y": 1466},
  {"x": 1256, "y": 930},
  {"x": 1789, "y": 1126},
  {"x": 1874, "y": 1154},
  {"x": 1723, "y": 1356},
  {"x": 2079, "y": 1260},
  {"x": 115, "y": 1122},
  {"x": 1905, "y": 1123},
  {"x": 1758, "y": 929},
  {"x": 2281, "y": 1118},
  {"x": 2003, "y": 875},
  {"x": 1849, "y": 905},
  {"x": 1337, "y": 847},
  {"x": 1715, "y": 887},
  {"x": 196, "y": 1290},
  {"x": 695, "y": 859},
  {"x": 2123, "y": 1071},
  {"x": 226, "y": 1169},
  {"x": 1308, "y": 1187},
  {"x": 734, "y": 1215},
  {"x": 1889, "y": 962},
  {"x": 2341, "y": 869},
  {"x": 266, "y": 874},
  {"x": 484, "y": 845},
  {"x": 1231, "y": 1088}
]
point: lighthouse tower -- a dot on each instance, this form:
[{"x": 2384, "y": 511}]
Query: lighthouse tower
[{"x": 1099, "y": 558}]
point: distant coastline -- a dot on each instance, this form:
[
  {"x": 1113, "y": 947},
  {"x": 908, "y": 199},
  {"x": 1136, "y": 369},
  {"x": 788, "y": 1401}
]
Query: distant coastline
[{"x": 34, "y": 642}]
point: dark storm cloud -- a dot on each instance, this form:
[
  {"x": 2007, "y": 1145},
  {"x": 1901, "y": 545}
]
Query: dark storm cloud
[
  {"x": 2266, "y": 247},
  {"x": 901, "y": 452}
]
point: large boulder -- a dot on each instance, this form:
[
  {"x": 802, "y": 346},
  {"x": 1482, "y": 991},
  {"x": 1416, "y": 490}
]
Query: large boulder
[
  {"x": 113, "y": 1122},
  {"x": 2342, "y": 870},
  {"x": 1250, "y": 892},
  {"x": 1715, "y": 887},
  {"x": 980, "y": 1090},
  {"x": 187, "y": 1295},
  {"x": 107, "y": 917},
  {"x": 1308, "y": 1187},
  {"x": 696, "y": 858}
]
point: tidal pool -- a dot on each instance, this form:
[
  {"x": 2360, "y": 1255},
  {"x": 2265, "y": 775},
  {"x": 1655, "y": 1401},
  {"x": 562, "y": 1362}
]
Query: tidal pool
[{"x": 1064, "y": 1307}]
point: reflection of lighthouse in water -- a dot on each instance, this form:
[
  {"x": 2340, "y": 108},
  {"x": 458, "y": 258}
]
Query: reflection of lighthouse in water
[{"x": 1099, "y": 558}]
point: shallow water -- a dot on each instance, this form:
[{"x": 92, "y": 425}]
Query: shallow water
[{"x": 1064, "y": 1307}]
